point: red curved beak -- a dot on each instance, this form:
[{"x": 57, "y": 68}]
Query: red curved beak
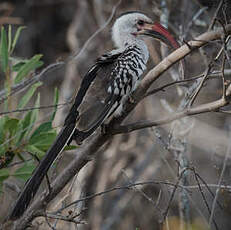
[{"x": 157, "y": 31}]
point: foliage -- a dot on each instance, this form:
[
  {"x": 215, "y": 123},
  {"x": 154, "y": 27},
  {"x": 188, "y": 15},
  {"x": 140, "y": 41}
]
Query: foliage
[{"x": 21, "y": 136}]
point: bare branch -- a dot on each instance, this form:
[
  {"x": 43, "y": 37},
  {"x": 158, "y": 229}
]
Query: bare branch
[
  {"x": 91, "y": 146},
  {"x": 210, "y": 76},
  {"x": 227, "y": 155},
  {"x": 208, "y": 107},
  {"x": 215, "y": 15},
  {"x": 32, "y": 108}
]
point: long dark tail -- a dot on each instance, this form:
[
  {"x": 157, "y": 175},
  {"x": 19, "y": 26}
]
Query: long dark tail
[{"x": 39, "y": 173}]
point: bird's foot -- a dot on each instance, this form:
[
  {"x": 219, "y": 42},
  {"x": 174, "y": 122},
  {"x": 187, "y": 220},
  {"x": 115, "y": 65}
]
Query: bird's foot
[
  {"x": 76, "y": 137},
  {"x": 78, "y": 142},
  {"x": 131, "y": 99},
  {"x": 187, "y": 44}
]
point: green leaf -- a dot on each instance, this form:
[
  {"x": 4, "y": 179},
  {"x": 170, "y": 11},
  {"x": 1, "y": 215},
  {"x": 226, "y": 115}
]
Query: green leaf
[
  {"x": 44, "y": 127},
  {"x": 18, "y": 133},
  {"x": 35, "y": 112},
  {"x": 44, "y": 140},
  {"x": 25, "y": 171},
  {"x": 25, "y": 99},
  {"x": 26, "y": 126},
  {"x": 2, "y": 125},
  {"x": 3, "y": 146},
  {"x": 70, "y": 147},
  {"x": 32, "y": 64},
  {"x": 21, "y": 63},
  {"x": 18, "y": 65},
  {"x": 9, "y": 37},
  {"x": 4, "y": 174},
  {"x": 56, "y": 100},
  {"x": 6, "y": 158},
  {"x": 11, "y": 126},
  {"x": 16, "y": 37},
  {"x": 34, "y": 150},
  {"x": 4, "y": 50},
  {"x": 3, "y": 149}
]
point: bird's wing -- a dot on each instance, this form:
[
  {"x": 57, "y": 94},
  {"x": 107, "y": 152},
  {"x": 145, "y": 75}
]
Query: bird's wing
[
  {"x": 95, "y": 79},
  {"x": 97, "y": 101}
]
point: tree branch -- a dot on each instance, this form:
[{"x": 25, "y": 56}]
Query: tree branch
[
  {"x": 208, "y": 107},
  {"x": 91, "y": 146}
]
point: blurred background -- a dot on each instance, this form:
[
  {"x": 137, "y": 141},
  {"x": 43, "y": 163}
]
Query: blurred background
[{"x": 59, "y": 29}]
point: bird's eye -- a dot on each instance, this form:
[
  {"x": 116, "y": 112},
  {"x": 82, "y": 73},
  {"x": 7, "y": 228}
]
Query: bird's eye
[{"x": 140, "y": 22}]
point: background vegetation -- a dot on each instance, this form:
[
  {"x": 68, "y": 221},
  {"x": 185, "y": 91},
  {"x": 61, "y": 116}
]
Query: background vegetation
[{"x": 173, "y": 176}]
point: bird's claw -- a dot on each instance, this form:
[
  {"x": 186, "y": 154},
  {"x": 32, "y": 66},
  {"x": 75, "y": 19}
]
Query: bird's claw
[
  {"x": 131, "y": 99},
  {"x": 104, "y": 128}
]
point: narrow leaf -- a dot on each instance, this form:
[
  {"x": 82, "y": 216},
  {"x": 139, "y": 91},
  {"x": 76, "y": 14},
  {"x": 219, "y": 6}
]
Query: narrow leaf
[
  {"x": 9, "y": 38},
  {"x": 56, "y": 100},
  {"x": 11, "y": 126},
  {"x": 16, "y": 37},
  {"x": 34, "y": 150},
  {"x": 44, "y": 127},
  {"x": 4, "y": 50},
  {"x": 18, "y": 133},
  {"x": 35, "y": 112},
  {"x": 3, "y": 144},
  {"x": 4, "y": 174},
  {"x": 44, "y": 140},
  {"x": 70, "y": 147},
  {"x": 25, "y": 171},
  {"x": 18, "y": 65},
  {"x": 3, "y": 121},
  {"x": 32, "y": 64},
  {"x": 25, "y": 99},
  {"x": 26, "y": 126}
]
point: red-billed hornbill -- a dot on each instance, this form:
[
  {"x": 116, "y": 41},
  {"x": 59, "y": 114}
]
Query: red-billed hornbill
[{"x": 102, "y": 93}]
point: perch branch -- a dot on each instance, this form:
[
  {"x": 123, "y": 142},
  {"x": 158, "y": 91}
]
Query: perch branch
[{"x": 90, "y": 148}]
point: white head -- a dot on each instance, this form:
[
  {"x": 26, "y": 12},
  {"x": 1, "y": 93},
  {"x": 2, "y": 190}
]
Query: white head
[
  {"x": 129, "y": 28},
  {"x": 125, "y": 27}
]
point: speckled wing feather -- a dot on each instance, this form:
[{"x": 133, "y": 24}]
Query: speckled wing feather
[{"x": 113, "y": 83}]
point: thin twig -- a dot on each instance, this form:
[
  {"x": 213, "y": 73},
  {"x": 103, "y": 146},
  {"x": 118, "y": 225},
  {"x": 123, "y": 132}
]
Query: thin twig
[
  {"x": 173, "y": 194},
  {"x": 215, "y": 15},
  {"x": 33, "y": 108},
  {"x": 203, "y": 195},
  {"x": 129, "y": 186},
  {"x": 64, "y": 218},
  {"x": 213, "y": 75},
  {"x": 87, "y": 152},
  {"x": 224, "y": 83},
  {"x": 200, "y": 85},
  {"x": 219, "y": 182},
  {"x": 208, "y": 107},
  {"x": 27, "y": 82}
]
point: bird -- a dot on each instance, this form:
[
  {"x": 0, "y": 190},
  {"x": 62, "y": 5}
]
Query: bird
[{"x": 103, "y": 90}]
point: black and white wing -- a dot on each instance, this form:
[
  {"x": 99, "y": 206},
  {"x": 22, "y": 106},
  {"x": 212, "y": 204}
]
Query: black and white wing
[{"x": 115, "y": 79}]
